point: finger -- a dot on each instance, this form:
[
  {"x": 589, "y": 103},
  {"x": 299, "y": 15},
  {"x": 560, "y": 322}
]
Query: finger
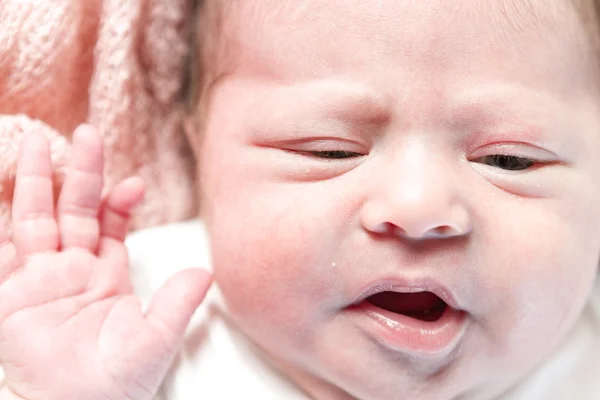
[
  {"x": 116, "y": 208},
  {"x": 79, "y": 200},
  {"x": 113, "y": 252},
  {"x": 114, "y": 219},
  {"x": 34, "y": 226},
  {"x": 8, "y": 256},
  {"x": 172, "y": 307}
]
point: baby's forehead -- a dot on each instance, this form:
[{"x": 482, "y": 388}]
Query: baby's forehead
[
  {"x": 254, "y": 28},
  {"x": 249, "y": 22},
  {"x": 516, "y": 14},
  {"x": 290, "y": 39}
]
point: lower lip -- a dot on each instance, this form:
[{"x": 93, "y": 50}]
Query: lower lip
[{"x": 402, "y": 333}]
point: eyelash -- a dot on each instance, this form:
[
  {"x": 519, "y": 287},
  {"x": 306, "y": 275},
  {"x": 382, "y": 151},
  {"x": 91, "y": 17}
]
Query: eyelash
[
  {"x": 511, "y": 163},
  {"x": 334, "y": 154},
  {"x": 515, "y": 163}
]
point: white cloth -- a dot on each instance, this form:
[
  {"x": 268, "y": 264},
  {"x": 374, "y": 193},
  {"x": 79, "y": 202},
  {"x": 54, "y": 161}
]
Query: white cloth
[{"x": 217, "y": 363}]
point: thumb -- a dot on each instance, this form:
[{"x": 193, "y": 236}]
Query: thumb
[{"x": 172, "y": 307}]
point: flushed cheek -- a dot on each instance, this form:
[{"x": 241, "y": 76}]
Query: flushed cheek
[{"x": 270, "y": 261}]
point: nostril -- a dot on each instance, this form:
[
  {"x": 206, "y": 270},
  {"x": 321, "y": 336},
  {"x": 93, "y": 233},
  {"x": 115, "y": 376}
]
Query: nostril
[
  {"x": 443, "y": 231},
  {"x": 385, "y": 228},
  {"x": 436, "y": 232}
]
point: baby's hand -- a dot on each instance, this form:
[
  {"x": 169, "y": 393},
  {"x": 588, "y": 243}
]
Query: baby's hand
[{"x": 70, "y": 325}]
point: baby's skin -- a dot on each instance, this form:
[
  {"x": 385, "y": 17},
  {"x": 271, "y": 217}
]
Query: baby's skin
[{"x": 70, "y": 325}]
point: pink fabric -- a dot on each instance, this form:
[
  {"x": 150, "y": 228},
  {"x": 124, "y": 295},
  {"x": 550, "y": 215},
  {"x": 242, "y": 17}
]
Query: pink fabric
[{"x": 113, "y": 63}]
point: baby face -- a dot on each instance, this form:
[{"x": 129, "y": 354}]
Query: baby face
[{"x": 403, "y": 197}]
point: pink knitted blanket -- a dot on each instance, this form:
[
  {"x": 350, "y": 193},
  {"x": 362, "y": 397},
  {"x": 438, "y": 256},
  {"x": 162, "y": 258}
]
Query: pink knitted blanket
[{"x": 117, "y": 64}]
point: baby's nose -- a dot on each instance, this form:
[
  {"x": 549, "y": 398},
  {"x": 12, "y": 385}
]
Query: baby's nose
[
  {"x": 416, "y": 201},
  {"x": 416, "y": 219}
]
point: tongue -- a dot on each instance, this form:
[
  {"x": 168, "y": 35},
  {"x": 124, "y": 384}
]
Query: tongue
[{"x": 407, "y": 303}]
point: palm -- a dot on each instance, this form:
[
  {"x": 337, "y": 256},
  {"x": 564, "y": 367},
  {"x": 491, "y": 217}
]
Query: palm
[{"x": 70, "y": 325}]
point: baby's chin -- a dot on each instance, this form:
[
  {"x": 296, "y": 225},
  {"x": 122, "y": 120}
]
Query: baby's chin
[{"x": 351, "y": 352}]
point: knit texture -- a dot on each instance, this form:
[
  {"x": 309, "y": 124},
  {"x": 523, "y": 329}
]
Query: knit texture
[{"x": 112, "y": 63}]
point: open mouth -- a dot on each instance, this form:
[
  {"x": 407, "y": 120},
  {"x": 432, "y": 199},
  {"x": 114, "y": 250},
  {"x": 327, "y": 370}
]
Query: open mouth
[
  {"x": 423, "y": 306},
  {"x": 419, "y": 317}
]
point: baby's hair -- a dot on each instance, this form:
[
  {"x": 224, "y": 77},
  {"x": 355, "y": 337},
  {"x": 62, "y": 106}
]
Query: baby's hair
[
  {"x": 207, "y": 49},
  {"x": 190, "y": 78}
]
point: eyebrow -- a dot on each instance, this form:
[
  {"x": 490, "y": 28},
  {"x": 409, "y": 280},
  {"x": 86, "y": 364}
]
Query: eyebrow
[
  {"x": 532, "y": 112},
  {"x": 326, "y": 106},
  {"x": 487, "y": 99},
  {"x": 342, "y": 100}
]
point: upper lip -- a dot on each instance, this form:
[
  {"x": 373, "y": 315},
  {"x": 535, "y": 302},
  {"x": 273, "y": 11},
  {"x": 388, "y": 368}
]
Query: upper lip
[{"x": 401, "y": 285}]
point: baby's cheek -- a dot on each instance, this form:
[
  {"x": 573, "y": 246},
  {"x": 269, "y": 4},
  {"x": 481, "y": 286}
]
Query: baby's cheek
[
  {"x": 265, "y": 265},
  {"x": 270, "y": 269},
  {"x": 539, "y": 272}
]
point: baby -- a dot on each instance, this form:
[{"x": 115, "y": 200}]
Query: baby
[{"x": 401, "y": 200}]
